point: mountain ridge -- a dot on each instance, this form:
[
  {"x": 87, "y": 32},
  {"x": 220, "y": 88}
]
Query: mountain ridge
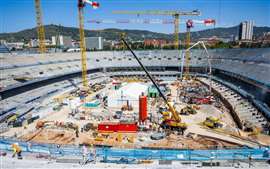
[{"x": 134, "y": 34}]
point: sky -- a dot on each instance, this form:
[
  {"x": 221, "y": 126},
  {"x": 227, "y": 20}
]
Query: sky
[{"x": 16, "y": 15}]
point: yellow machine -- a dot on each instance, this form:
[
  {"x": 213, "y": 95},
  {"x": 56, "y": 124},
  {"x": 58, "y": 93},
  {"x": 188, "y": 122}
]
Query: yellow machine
[
  {"x": 122, "y": 46},
  {"x": 119, "y": 137},
  {"x": 99, "y": 138},
  {"x": 212, "y": 122},
  {"x": 81, "y": 5},
  {"x": 189, "y": 24},
  {"x": 40, "y": 27}
]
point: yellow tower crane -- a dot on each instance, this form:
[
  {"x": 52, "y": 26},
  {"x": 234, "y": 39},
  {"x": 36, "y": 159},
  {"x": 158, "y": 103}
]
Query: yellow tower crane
[
  {"x": 40, "y": 27},
  {"x": 123, "y": 36},
  {"x": 175, "y": 14},
  {"x": 189, "y": 24},
  {"x": 81, "y": 5}
]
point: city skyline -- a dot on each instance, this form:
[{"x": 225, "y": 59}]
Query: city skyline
[{"x": 65, "y": 13}]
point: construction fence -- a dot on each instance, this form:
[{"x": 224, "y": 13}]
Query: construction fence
[{"x": 243, "y": 153}]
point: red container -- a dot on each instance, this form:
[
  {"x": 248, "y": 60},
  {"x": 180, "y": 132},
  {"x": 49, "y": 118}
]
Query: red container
[
  {"x": 142, "y": 108},
  {"x": 107, "y": 127},
  {"x": 127, "y": 127},
  {"x": 117, "y": 127}
]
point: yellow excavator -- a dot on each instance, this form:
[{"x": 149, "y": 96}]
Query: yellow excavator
[
  {"x": 172, "y": 121},
  {"x": 212, "y": 122}
]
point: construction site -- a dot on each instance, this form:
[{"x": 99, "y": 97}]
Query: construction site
[{"x": 138, "y": 107}]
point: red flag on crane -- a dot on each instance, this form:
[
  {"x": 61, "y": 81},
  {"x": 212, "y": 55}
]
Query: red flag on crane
[
  {"x": 94, "y": 4},
  {"x": 209, "y": 22}
]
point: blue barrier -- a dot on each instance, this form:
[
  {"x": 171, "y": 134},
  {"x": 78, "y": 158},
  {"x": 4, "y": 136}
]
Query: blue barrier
[{"x": 158, "y": 154}]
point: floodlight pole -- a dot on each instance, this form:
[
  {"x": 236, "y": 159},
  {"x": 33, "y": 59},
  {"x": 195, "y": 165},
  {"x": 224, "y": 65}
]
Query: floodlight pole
[{"x": 208, "y": 60}]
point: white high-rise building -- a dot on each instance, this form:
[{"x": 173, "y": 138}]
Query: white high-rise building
[
  {"x": 65, "y": 41},
  {"x": 246, "y": 30},
  {"x": 95, "y": 43}
]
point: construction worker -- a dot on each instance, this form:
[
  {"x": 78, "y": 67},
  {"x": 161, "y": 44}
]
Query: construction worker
[
  {"x": 16, "y": 150},
  {"x": 84, "y": 154}
]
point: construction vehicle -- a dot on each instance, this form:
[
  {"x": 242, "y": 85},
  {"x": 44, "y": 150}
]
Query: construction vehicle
[
  {"x": 99, "y": 138},
  {"x": 188, "y": 110},
  {"x": 119, "y": 137},
  {"x": 131, "y": 139},
  {"x": 173, "y": 122},
  {"x": 40, "y": 27},
  {"x": 212, "y": 122},
  {"x": 89, "y": 126},
  {"x": 158, "y": 136}
]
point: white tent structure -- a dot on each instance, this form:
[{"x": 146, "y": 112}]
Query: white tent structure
[{"x": 130, "y": 92}]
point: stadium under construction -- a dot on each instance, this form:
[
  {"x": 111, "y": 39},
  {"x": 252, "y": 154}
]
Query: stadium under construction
[
  {"x": 43, "y": 103},
  {"x": 192, "y": 107}
]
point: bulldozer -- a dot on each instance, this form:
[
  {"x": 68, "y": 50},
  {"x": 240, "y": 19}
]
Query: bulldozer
[
  {"x": 212, "y": 122},
  {"x": 188, "y": 110},
  {"x": 172, "y": 122}
]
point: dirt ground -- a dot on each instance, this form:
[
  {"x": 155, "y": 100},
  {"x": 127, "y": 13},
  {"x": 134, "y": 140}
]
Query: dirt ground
[{"x": 195, "y": 137}]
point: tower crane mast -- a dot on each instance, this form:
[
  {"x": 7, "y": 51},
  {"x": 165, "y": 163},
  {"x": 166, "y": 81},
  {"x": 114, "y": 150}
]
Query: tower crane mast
[
  {"x": 189, "y": 25},
  {"x": 40, "y": 27},
  {"x": 81, "y": 5}
]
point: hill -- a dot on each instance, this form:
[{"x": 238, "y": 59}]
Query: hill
[{"x": 113, "y": 34}]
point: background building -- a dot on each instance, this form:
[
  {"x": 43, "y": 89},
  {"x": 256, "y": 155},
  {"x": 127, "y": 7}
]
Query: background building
[
  {"x": 35, "y": 43},
  {"x": 64, "y": 41},
  {"x": 95, "y": 43},
  {"x": 155, "y": 42},
  {"x": 246, "y": 30}
]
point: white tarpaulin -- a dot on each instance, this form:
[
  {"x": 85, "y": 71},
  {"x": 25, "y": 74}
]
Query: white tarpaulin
[{"x": 130, "y": 92}]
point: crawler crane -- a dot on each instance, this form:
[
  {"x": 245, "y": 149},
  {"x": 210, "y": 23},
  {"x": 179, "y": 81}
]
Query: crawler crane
[{"x": 172, "y": 123}]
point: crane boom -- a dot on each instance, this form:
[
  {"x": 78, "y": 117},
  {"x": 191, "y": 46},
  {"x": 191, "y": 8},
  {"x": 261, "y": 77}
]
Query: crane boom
[
  {"x": 40, "y": 27},
  {"x": 158, "y": 12},
  {"x": 174, "y": 113},
  {"x": 175, "y": 14}
]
